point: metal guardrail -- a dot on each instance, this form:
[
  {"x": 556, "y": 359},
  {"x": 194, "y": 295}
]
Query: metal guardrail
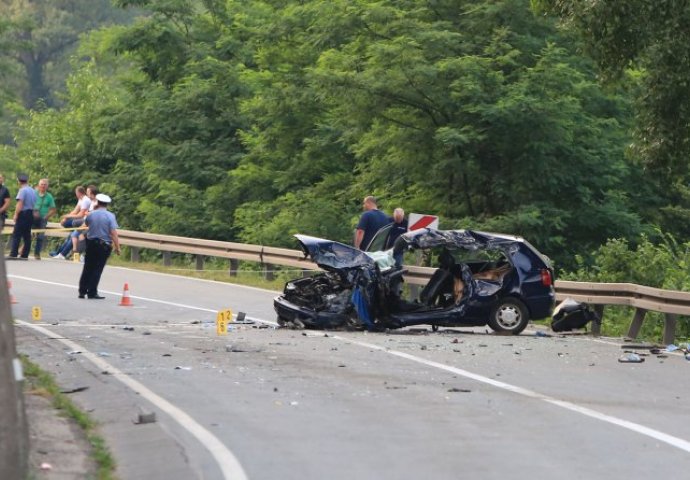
[{"x": 643, "y": 299}]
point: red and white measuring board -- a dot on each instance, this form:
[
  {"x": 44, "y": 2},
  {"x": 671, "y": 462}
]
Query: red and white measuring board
[{"x": 418, "y": 220}]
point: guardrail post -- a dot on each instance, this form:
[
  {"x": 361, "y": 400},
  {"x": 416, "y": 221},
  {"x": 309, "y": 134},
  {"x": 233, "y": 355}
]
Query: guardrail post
[
  {"x": 596, "y": 326},
  {"x": 136, "y": 257},
  {"x": 199, "y": 262},
  {"x": 636, "y": 323},
  {"x": 670, "y": 328},
  {"x": 234, "y": 266},
  {"x": 167, "y": 259},
  {"x": 269, "y": 274}
]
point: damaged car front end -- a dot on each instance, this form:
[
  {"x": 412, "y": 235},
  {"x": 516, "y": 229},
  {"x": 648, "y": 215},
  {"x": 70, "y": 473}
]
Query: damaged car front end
[{"x": 480, "y": 279}]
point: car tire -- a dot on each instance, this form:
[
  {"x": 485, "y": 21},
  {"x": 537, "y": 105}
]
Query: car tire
[{"x": 509, "y": 315}]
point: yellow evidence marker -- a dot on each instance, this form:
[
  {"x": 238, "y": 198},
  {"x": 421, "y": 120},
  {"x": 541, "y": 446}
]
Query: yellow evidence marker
[
  {"x": 36, "y": 314},
  {"x": 222, "y": 319}
]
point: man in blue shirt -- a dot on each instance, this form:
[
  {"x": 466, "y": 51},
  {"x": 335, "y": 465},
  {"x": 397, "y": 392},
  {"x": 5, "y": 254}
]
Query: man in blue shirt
[
  {"x": 101, "y": 240},
  {"x": 369, "y": 223},
  {"x": 23, "y": 218}
]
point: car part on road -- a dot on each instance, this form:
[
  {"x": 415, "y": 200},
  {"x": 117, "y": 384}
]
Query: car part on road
[{"x": 570, "y": 315}]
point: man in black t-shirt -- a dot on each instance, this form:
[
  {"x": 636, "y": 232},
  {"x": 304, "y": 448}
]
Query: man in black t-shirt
[{"x": 4, "y": 202}]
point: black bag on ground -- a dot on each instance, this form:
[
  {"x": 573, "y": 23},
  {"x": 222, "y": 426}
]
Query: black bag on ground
[{"x": 569, "y": 315}]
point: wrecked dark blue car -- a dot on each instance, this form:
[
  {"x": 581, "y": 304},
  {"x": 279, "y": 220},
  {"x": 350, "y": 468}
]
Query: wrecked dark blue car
[{"x": 480, "y": 279}]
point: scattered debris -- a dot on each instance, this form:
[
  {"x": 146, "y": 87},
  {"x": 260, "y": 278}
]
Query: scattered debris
[
  {"x": 341, "y": 365},
  {"x": 74, "y": 390},
  {"x": 46, "y": 466},
  {"x": 103, "y": 354},
  {"x": 74, "y": 352},
  {"x": 129, "y": 329},
  {"x": 455, "y": 340},
  {"x": 423, "y": 347},
  {"x": 294, "y": 403},
  {"x": 641, "y": 346},
  {"x": 459, "y": 390},
  {"x": 671, "y": 348},
  {"x": 146, "y": 333},
  {"x": 182, "y": 368},
  {"x": 146, "y": 418},
  {"x": 630, "y": 358},
  {"x": 167, "y": 355}
]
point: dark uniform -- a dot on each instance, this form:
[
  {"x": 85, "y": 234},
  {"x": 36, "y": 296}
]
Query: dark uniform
[
  {"x": 23, "y": 219},
  {"x": 101, "y": 239}
]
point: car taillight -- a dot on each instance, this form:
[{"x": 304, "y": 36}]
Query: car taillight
[{"x": 546, "y": 279}]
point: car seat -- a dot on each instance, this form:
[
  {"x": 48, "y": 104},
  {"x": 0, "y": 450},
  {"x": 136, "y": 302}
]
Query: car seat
[{"x": 441, "y": 281}]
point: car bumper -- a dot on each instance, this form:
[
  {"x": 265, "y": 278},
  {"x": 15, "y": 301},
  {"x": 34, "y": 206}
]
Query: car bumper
[{"x": 290, "y": 312}]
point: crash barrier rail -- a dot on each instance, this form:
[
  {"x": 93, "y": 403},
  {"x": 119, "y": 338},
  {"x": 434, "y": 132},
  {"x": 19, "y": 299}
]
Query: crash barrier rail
[{"x": 669, "y": 302}]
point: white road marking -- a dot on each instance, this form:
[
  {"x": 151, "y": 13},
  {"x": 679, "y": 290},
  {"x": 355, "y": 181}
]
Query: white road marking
[
  {"x": 153, "y": 300},
  {"x": 635, "y": 427},
  {"x": 228, "y": 463}
]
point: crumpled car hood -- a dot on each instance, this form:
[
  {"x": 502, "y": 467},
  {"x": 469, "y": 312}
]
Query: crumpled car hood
[
  {"x": 467, "y": 239},
  {"x": 327, "y": 253}
]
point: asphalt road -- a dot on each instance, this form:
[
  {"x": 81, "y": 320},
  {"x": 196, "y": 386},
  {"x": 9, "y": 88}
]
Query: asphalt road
[{"x": 264, "y": 403}]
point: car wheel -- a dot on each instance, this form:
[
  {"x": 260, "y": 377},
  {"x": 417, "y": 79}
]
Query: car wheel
[{"x": 509, "y": 315}]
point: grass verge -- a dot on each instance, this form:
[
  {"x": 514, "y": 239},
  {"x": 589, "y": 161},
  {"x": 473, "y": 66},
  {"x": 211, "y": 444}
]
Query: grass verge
[{"x": 42, "y": 382}]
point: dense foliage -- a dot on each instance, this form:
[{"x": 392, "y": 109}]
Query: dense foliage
[
  {"x": 647, "y": 40},
  {"x": 251, "y": 120}
]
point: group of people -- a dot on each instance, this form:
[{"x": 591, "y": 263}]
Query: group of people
[
  {"x": 34, "y": 207},
  {"x": 373, "y": 219}
]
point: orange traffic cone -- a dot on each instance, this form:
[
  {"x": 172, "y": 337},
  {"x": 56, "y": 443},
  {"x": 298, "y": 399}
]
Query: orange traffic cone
[
  {"x": 125, "y": 301},
  {"x": 9, "y": 290}
]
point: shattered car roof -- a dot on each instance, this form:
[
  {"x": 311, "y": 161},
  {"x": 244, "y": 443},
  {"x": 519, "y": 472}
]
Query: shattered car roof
[
  {"x": 327, "y": 253},
  {"x": 467, "y": 239}
]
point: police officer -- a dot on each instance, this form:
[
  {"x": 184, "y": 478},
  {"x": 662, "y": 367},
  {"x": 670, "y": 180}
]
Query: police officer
[
  {"x": 101, "y": 240},
  {"x": 23, "y": 218}
]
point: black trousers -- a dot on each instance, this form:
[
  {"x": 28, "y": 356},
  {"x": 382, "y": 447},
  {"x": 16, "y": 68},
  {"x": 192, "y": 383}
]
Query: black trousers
[
  {"x": 22, "y": 231},
  {"x": 97, "y": 253}
]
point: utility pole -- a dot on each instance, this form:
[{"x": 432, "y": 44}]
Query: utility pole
[{"x": 14, "y": 436}]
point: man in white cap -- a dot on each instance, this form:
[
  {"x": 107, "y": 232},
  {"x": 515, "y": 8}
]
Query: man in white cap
[{"x": 101, "y": 240}]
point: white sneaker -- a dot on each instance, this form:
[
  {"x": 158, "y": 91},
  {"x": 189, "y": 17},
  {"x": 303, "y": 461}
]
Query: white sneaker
[{"x": 60, "y": 256}]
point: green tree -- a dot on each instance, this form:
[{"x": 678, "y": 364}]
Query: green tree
[
  {"x": 45, "y": 33},
  {"x": 645, "y": 41}
]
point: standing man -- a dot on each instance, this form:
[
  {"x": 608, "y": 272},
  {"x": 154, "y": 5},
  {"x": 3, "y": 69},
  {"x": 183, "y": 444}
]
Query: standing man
[
  {"x": 4, "y": 203},
  {"x": 101, "y": 239},
  {"x": 398, "y": 228},
  {"x": 43, "y": 210},
  {"x": 369, "y": 223},
  {"x": 23, "y": 218}
]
